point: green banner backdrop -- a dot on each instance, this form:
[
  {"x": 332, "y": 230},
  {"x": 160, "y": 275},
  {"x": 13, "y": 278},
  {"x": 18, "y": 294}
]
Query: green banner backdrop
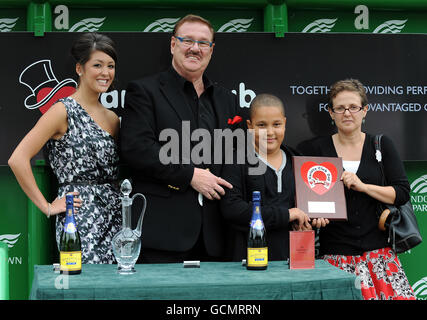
[{"x": 414, "y": 261}]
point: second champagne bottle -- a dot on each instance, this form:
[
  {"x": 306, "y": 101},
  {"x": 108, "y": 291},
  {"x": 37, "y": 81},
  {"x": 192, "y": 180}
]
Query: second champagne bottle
[{"x": 257, "y": 258}]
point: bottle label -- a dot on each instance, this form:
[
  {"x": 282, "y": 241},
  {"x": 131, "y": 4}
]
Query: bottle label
[
  {"x": 256, "y": 221},
  {"x": 70, "y": 260},
  {"x": 257, "y": 257},
  {"x": 257, "y": 224},
  {"x": 70, "y": 228}
]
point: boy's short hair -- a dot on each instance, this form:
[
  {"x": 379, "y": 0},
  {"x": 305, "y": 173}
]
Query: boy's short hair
[{"x": 265, "y": 100}]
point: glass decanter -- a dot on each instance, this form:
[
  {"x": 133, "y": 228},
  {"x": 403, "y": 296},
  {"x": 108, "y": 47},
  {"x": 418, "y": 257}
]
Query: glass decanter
[{"x": 127, "y": 242}]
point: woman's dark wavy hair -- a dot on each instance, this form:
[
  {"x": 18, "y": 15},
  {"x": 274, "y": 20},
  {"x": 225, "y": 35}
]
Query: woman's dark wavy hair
[{"x": 89, "y": 42}]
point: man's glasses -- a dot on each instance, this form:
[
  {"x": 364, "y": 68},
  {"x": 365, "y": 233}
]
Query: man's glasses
[
  {"x": 188, "y": 42},
  {"x": 352, "y": 109}
]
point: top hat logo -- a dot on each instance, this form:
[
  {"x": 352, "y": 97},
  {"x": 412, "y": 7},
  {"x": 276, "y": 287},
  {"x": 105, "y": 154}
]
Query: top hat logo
[{"x": 45, "y": 87}]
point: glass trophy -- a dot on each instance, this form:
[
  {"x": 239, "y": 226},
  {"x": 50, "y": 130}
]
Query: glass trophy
[{"x": 127, "y": 242}]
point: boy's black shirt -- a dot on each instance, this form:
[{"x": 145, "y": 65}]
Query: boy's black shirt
[{"x": 236, "y": 207}]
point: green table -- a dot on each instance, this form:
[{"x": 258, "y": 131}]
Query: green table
[{"x": 212, "y": 281}]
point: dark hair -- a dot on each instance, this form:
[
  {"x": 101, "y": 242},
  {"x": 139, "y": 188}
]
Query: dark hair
[
  {"x": 89, "y": 42},
  {"x": 265, "y": 100},
  {"x": 194, "y": 18},
  {"x": 353, "y": 85}
]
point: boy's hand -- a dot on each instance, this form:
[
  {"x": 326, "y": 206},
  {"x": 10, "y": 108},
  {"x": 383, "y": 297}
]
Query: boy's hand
[
  {"x": 319, "y": 222},
  {"x": 300, "y": 219}
]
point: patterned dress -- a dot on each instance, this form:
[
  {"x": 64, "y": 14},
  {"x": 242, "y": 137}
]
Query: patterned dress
[
  {"x": 85, "y": 159},
  {"x": 380, "y": 274}
]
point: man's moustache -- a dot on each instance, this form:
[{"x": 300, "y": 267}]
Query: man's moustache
[{"x": 192, "y": 53}]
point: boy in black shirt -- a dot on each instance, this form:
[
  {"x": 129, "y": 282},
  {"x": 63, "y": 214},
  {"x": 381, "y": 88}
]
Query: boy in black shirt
[{"x": 277, "y": 186}]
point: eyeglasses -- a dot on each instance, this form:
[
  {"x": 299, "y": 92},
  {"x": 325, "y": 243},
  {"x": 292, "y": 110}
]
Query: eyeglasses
[
  {"x": 188, "y": 42},
  {"x": 352, "y": 109}
]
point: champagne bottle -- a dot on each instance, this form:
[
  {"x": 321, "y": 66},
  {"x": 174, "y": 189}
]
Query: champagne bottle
[
  {"x": 70, "y": 245},
  {"x": 257, "y": 258}
]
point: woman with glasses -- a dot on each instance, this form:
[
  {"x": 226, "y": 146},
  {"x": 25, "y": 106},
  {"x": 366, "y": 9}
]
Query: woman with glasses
[{"x": 358, "y": 245}]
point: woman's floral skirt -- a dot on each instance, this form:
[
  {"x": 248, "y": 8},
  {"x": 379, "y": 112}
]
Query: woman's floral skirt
[{"x": 380, "y": 272}]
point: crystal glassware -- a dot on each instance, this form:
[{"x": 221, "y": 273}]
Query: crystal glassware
[{"x": 127, "y": 242}]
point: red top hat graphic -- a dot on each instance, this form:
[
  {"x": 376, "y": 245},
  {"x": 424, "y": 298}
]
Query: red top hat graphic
[{"x": 45, "y": 88}]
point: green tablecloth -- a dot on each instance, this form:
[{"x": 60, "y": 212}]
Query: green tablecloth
[{"x": 212, "y": 281}]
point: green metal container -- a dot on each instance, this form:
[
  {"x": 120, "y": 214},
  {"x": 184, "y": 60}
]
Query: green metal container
[
  {"x": 25, "y": 229},
  {"x": 4, "y": 271}
]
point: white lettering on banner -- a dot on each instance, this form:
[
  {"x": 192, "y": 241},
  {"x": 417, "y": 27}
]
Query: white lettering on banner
[
  {"x": 243, "y": 94},
  {"x": 15, "y": 260},
  {"x": 309, "y": 90},
  {"x": 362, "y": 20},
  {"x": 420, "y": 207},
  {"x": 380, "y": 90},
  {"x": 416, "y": 90},
  {"x": 62, "y": 20},
  {"x": 111, "y": 99},
  {"x": 386, "y": 107},
  {"x": 376, "y": 90},
  {"x": 419, "y": 199},
  {"x": 419, "y": 188},
  {"x": 11, "y": 240},
  {"x": 323, "y": 107},
  {"x": 404, "y": 107}
]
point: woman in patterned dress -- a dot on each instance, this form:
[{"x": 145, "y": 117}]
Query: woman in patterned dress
[
  {"x": 81, "y": 139},
  {"x": 358, "y": 245}
]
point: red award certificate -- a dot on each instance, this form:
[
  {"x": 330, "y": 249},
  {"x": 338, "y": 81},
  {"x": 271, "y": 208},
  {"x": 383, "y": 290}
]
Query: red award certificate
[
  {"x": 319, "y": 190},
  {"x": 301, "y": 249}
]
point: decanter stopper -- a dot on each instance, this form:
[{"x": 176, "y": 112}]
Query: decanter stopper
[{"x": 126, "y": 188}]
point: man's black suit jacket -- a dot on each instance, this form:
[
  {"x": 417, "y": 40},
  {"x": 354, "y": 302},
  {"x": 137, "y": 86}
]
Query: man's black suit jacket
[{"x": 174, "y": 217}]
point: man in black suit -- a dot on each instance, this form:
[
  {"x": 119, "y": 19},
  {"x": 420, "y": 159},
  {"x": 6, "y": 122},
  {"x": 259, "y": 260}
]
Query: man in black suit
[{"x": 182, "y": 221}]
